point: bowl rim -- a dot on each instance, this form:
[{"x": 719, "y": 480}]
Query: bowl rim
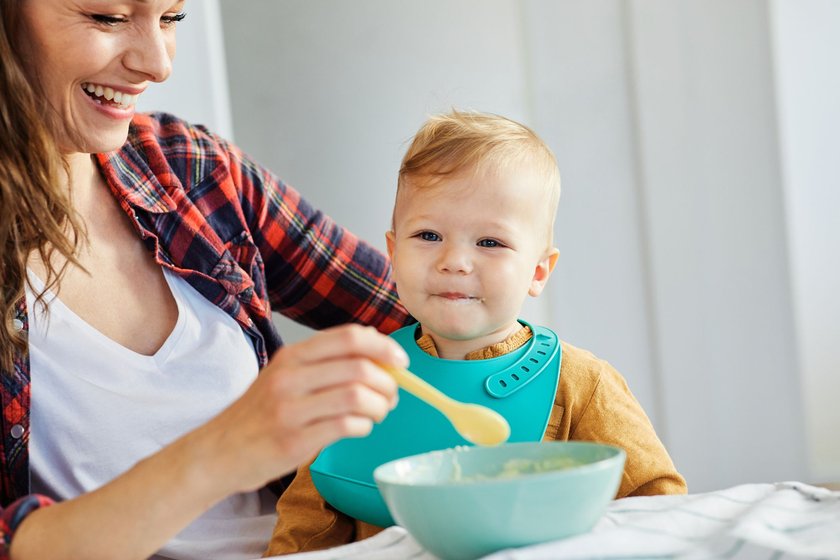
[{"x": 618, "y": 454}]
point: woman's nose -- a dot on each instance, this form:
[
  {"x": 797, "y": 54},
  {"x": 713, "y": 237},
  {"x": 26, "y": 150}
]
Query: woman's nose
[{"x": 151, "y": 54}]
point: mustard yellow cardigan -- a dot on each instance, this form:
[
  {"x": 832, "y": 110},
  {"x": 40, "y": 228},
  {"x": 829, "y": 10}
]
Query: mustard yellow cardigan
[{"x": 593, "y": 403}]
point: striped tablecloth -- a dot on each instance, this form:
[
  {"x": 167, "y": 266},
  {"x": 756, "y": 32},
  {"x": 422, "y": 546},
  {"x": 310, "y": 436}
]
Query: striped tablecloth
[{"x": 782, "y": 521}]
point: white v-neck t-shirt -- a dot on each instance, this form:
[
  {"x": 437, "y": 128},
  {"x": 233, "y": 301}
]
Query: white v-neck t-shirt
[{"x": 98, "y": 408}]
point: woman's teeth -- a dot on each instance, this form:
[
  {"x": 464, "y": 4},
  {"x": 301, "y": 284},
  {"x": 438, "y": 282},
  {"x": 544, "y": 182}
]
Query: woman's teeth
[{"x": 105, "y": 94}]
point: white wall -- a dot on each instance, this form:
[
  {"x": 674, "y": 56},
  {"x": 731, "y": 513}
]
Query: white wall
[
  {"x": 677, "y": 264},
  {"x": 807, "y": 50},
  {"x": 712, "y": 190}
]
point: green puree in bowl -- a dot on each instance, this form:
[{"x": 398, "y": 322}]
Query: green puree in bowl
[{"x": 517, "y": 467}]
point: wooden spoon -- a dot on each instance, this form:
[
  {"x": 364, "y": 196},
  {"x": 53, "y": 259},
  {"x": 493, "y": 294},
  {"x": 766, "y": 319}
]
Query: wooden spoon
[{"x": 477, "y": 424}]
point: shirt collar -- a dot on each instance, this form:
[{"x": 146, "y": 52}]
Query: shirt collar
[{"x": 132, "y": 179}]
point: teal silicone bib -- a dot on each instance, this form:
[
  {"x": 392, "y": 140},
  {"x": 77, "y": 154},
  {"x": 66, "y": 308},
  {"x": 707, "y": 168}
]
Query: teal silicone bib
[{"x": 520, "y": 386}]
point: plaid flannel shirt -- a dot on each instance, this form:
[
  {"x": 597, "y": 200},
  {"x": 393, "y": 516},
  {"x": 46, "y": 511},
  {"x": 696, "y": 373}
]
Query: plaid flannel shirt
[{"x": 240, "y": 236}]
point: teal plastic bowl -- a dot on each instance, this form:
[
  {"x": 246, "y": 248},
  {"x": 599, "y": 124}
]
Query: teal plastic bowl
[{"x": 467, "y": 502}]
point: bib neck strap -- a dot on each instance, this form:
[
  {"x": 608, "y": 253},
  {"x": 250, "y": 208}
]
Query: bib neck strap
[
  {"x": 539, "y": 352},
  {"x": 504, "y": 375}
]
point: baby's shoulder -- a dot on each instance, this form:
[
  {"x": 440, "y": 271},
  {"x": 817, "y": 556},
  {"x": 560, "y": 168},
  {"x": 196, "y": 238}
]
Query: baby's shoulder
[{"x": 583, "y": 372}]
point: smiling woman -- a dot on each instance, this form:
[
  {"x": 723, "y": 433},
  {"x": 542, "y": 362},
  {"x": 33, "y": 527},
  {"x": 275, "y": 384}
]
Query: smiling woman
[
  {"x": 155, "y": 252},
  {"x": 83, "y": 52}
]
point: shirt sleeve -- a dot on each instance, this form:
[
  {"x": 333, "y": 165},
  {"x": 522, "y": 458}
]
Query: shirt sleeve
[
  {"x": 317, "y": 273},
  {"x": 12, "y": 516}
]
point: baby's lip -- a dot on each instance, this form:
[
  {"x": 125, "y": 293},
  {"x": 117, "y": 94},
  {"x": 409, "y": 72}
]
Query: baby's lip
[{"x": 455, "y": 295}]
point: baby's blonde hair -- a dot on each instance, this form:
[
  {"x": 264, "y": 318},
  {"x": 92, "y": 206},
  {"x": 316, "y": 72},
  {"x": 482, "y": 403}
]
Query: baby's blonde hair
[{"x": 451, "y": 143}]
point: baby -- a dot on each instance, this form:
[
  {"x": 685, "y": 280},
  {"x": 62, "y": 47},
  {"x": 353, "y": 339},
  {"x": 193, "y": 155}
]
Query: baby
[{"x": 471, "y": 238}]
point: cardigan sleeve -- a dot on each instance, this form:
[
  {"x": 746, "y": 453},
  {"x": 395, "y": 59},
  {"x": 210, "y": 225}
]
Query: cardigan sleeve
[
  {"x": 597, "y": 405},
  {"x": 306, "y": 522}
]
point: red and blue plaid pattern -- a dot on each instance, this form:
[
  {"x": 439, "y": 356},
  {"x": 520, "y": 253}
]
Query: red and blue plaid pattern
[{"x": 244, "y": 239}]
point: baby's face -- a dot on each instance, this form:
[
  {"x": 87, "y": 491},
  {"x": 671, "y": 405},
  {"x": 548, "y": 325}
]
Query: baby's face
[{"x": 468, "y": 250}]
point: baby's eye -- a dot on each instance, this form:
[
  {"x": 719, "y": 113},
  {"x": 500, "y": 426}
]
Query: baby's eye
[
  {"x": 489, "y": 243},
  {"x": 429, "y": 236}
]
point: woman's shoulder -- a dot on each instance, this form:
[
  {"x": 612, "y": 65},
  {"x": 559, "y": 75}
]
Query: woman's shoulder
[
  {"x": 162, "y": 144},
  {"x": 172, "y": 135}
]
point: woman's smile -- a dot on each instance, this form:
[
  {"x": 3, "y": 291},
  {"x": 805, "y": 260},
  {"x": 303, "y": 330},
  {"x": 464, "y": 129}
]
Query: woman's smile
[
  {"x": 116, "y": 104},
  {"x": 122, "y": 98}
]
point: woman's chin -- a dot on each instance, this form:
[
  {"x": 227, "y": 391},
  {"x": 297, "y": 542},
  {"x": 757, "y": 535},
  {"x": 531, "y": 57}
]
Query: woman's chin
[
  {"x": 109, "y": 141},
  {"x": 95, "y": 137}
]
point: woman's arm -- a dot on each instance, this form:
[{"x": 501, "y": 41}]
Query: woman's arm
[
  {"x": 317, "y": 272},
  {"x": 309, "y": 395}
]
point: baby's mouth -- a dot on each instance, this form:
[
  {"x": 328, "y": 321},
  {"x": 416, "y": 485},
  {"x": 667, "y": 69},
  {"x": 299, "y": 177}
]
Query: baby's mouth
[
  {"x": 109, "y": 96},
  {"x": 456, "y": 297}
]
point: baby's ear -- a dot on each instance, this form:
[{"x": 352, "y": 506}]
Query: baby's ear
[
  {"x": 543, "y": 271},
  {"x": 389, "y": 243}
]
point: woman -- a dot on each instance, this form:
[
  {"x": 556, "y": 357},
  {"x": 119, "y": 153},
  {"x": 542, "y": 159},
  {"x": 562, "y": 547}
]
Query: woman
[{"x": 141, "y": 258}]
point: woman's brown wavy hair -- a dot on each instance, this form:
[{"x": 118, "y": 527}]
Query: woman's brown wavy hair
[{"x": 35, "y": 210}]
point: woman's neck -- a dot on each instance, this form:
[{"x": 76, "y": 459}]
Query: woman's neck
[{"x": 82, "y": 180}]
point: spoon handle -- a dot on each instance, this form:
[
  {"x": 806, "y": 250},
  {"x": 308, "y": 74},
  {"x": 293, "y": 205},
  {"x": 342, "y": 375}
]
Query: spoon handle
[{"x": 419, "y": 388}]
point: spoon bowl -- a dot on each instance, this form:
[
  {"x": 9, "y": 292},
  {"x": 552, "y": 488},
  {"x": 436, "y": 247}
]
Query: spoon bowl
[{"x": 476, "y": 424}]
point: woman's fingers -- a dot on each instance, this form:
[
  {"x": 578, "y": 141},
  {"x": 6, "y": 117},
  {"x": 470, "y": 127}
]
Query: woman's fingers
[
  {"x": 316, "y": 436},
  {"x": 309, "y": 395},
  {"x": 337, "y": 356},
  {"x": 351, "y": 399},
  {"x": 342, "y": 342},
  {"x": 302, "y": 380}
]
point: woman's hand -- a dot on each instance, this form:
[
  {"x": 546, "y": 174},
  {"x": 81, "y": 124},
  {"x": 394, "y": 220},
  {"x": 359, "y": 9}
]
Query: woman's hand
[{"x": 309, "y": 395}]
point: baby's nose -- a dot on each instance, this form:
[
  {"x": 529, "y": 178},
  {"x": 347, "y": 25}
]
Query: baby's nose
[{"x": 455, "y": 260}]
